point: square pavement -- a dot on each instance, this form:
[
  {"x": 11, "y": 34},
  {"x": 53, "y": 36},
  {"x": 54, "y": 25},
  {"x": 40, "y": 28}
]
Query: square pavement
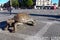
[{"x": 43, "y": 30}]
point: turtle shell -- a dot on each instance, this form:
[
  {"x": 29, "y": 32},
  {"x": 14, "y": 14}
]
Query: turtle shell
[{"x": 22, "y": 17}]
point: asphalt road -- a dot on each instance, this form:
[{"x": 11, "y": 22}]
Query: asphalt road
[{"x": 47, "y": 25}]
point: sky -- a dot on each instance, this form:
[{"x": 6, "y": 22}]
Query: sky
[
  {"x": 55, "y": 1},
  {"x": 4, "y": 1}
]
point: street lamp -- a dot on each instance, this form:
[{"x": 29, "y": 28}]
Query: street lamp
[
  {"x": 43, "y": 4},
  {"x": 10, "y": 6}
]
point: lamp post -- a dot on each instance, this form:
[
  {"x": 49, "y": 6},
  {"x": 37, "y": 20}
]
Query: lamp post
[
  {"x": 43, "y": 4},
  {"x": 10, "y": 6}
]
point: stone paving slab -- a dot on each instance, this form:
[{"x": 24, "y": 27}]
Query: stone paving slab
[
  {"x": 53, "y": 31},
  {"x": 32, "y": 30},
  {"x": 5, "y": 36},
  {"x": 4, "y": 17},
  {"x": 23, "y": 33},
  {"x": 29, "y": 33}
]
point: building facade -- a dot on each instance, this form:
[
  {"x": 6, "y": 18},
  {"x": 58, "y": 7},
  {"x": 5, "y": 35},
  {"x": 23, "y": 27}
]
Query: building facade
[{"x": 41, "y": 3}]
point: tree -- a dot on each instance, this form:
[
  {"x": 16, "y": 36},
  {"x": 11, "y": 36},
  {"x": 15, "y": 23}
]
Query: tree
[
  {"x": 6, "y": 4},
  {"x": 54, "y": 3},
  {"x": 29, "y": 3},
  {"x": 22, "y": 3},
  {"x": 15, "y": 3}
]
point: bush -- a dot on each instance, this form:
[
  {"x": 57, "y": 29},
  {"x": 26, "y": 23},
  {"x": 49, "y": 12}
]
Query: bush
[
  {"x": 29, "y": 3},
  {"x": 15, "y": 3}
]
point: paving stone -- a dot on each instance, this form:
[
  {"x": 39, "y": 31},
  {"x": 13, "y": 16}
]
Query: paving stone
[
  {"x": 8, "y": 37},
  {"x": 32, "y": 30},
  {"x": 53, "y": 31}
]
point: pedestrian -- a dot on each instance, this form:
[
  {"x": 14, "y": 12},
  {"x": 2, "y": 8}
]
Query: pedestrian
[
  {"x": 54, "y": 7},
  {"x": 9, "y": 9}
]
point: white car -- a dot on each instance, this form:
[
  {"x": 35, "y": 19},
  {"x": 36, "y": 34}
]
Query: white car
[{"x": 1, "y": 9}]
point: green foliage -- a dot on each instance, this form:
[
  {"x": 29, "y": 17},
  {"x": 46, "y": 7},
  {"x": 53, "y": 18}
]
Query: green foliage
[
  {"x": 23, "y": 3},
  {"x": 29, "y": 3},
  {"x": 15, "y": 3}
]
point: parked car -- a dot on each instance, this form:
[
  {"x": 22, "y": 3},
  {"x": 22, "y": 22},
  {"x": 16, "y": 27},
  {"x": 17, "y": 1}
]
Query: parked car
[{"x": 1, "y": 9}]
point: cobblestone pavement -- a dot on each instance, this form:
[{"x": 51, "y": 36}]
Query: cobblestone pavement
[{"x": 47, "y": 26}]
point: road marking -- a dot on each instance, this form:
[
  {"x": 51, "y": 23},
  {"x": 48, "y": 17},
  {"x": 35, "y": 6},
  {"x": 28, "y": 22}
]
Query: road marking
[
  {"x": 28, "y": 37},
  {"x": 37, "y": 38},
  {"x": 18, "y": 35},
  {"x": 25, "y": 37},
  {"x": 39, "y": 35},
  {"x": 43, "y": 30}
]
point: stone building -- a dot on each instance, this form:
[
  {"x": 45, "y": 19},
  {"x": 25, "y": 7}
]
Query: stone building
[{"x": 41, "y": 3}]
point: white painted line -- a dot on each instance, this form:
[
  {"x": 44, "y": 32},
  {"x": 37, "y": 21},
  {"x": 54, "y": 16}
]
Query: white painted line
[
  {"x": 39, "y": 35},
  {"x": 25, "y": 37},
  {"x": 36, "y": 38},
  {"x": 43, "y": 30},
  {"x": 32, "y": 38}
]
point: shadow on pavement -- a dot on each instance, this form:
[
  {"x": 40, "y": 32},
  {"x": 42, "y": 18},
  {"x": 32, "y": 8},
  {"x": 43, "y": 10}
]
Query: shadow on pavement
[
  {"x": 54, "y": 19},
  {"x": 45, "y": 15},
  {"x": 6, "y": 13},
  {"x": 3, "y": 25}
]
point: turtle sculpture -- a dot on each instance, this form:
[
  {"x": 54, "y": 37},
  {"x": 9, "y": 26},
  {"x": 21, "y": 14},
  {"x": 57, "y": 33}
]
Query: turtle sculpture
[
  {"x": 10, "y": 25},
  {"x": 24, "y": 18},
  {"x": 18, "y": 19}
]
